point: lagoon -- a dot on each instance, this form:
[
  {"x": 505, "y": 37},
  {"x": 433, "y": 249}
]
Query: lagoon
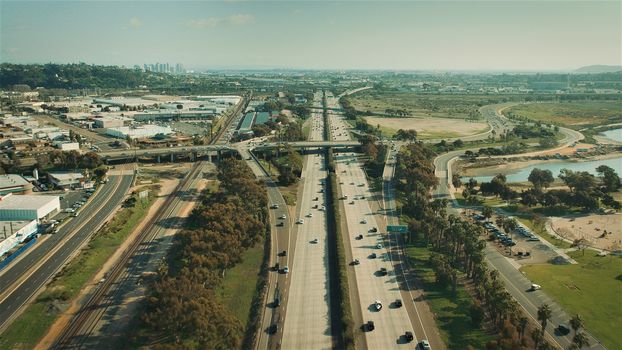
[
  {"x": 615, "y": 134},
  {"x": 521, "y": 174}
]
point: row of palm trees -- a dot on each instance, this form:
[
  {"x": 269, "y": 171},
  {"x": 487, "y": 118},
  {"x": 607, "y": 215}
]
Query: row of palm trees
[{"x": 579, "y": 338}]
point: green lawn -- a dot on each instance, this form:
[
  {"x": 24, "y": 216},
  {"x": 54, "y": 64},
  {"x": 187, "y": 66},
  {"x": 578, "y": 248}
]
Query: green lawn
[
  {"x": 450, "y": 310},
  {"x": 591, "y": 289},
  {"x": 33, "y": 323},
  {"x": 576, "y": 115},
  {"x": 238, "y": 287}
]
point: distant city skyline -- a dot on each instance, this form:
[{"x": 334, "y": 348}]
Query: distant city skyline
[{"x": 367, "y": 35}]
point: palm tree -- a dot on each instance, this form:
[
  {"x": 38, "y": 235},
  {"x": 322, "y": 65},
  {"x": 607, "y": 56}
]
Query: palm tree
[
  {"x": 576, "y": 323},
  {"x": 537, "y": 337},
  {"x": 522, "y": 325},
  {"x": 544, "y": 315},
  {"x": 580, "y": 340}
]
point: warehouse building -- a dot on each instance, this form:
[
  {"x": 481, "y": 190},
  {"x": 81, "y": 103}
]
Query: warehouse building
[
  {"x": 111, "y": 122},
  {"x": 28, "y": 207},
  {"x": 136, "y": 132},
  {"x": 13, "y": 233},
  {"x": 66, "y": 180},
  {"x": 12, "y": 183}
]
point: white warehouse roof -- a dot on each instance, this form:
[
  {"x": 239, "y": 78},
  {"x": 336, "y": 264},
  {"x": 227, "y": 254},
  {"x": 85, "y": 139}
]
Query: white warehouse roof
[{"x": 25, "y": 202}]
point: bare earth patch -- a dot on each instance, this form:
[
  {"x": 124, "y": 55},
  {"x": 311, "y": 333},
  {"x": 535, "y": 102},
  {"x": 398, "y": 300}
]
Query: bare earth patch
[
  {"x": 592, "y": 228},
  {"x": 431, "y": 126}
]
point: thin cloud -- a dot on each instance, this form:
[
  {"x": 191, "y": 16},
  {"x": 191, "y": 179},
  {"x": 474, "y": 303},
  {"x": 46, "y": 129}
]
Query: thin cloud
[
  {"x": 202, "y": 23},
  {"x": 211, "y": 22},
  {"x": 135, "y": 22},
  {"x": 241, "y": 19}
]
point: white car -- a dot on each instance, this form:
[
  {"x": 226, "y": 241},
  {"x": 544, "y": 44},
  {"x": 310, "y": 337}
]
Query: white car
[
  {"x": 70, "y": 210},
  {"x": 425, "y": 345},
  {"x": 314, "y": 241},
  {"x": 364, "y": 221},
  {"x": 310, "y": 215},
  {"x": 379, "y": 246},
  {"x": 378, "y": 305},
  {"x": 282, "y": 217},
  {"x": 300, "y": 221}
]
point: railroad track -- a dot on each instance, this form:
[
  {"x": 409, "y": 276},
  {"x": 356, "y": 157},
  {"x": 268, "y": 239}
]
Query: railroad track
[
  {"x": 85, "y": 321},
  {"x": 243, "y": 104}
]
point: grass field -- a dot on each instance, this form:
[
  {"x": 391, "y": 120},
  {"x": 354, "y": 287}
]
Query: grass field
[
  {"x": 238, "y": 287},
  {"x": 451, "y": 310},
  {"x": 429, "y": 127},
  {"x": 423, "y": 105},
  {"x": 575, "y": 115},
  {"x": 33, "y": 323},
  {"x": 591, "y": 289}
]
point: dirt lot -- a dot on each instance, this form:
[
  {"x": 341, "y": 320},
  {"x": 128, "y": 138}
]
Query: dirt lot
[
  {"x": 431, "y": 126},
  {"x": 592, "y": 227}
]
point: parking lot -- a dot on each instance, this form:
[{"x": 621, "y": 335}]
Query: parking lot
[
  {"x": 70, "y": 203},
  {"x": 524, "y": 246}
]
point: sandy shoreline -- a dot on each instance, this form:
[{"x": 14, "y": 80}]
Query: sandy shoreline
[{"x": 506, "y": 168}]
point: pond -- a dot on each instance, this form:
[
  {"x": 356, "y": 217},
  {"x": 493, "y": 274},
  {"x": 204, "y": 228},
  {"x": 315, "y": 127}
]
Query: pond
[
  {"x": 521, "y": 174},
  {"x": 615, "y": 134}
]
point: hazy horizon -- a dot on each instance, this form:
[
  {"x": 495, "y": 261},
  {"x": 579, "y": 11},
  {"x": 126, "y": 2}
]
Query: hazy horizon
[{"x": 459, "y": 36}]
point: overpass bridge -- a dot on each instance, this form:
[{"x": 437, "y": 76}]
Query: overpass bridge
[{"x": 213, "y": 152}]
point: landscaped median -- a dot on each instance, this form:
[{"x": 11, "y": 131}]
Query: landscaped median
[
  {"x": 334, "y": 226},
  {"x": 26, "y": 331}
]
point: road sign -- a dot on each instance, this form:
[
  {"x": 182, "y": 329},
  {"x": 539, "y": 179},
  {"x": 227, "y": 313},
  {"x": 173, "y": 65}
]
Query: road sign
[{"x": 398, "y": 228}]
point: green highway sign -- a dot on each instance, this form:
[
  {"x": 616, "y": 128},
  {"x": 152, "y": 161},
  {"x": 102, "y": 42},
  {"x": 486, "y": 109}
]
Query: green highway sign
[{"x": 398, "y": 228}]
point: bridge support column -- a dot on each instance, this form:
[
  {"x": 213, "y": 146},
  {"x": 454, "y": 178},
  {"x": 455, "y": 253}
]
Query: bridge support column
[
  {"x": 193, "y": 156},
  {"x": 158, "y": 159},
  {"x": 172, "y": 157}
]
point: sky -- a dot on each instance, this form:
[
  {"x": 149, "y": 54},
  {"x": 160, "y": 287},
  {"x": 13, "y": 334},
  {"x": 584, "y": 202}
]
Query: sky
[{"x": 395, "y": 35}]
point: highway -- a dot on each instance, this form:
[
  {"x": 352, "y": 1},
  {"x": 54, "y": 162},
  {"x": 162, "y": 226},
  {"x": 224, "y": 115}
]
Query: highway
[
  {"x": 392, "y": 321},
  {"x": 308, "y": 321},
  {"x": 515, "y": 282},
  {"x": 99, "y": 322},
  {"x": 26, "y": 276},
  {"x": 278, "y": 283}
]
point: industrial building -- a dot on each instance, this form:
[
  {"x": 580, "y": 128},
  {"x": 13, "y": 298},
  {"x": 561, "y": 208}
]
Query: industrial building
[
  {"x": 67, "y": 146},
  {"x": 28, "y": 207},
  {"x": 13, "y": 233},
  {"x": 12, "y": 183},
  {"x": 173, "y": 114},
  {"x": 111, "y": 122},
  {"x": 136, "y": 132},
  {"x": 66, "y": 180}
]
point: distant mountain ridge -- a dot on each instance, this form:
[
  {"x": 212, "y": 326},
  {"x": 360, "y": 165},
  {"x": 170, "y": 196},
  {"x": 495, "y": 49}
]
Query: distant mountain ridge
[{"x": 598, "y": 68}]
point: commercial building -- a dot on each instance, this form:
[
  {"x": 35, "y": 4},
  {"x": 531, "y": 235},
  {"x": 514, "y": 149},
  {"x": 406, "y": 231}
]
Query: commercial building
[
  {"x": 67, "y": 146},
  {"x": 13, "y": 233},
  {"x": 111, "y": 122},
  {"x": 173, "y": 114},
  {"x": 66, "y": 180},
  {"x": 136, "y": 132},
  {"x": 13, "y": 183},
  {"x": 28, "y": 207}
]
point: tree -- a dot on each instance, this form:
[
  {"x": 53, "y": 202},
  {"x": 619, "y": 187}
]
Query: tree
[
  {"x": 537, "y": 336},
  {"x": 576, "y": 323},
  {"x": 541, "y": 178},
  {"x": 578, "y": 181},
  {"x": 522, "y": 325},
  {"x": 546, "y": 142},
  {"x": 580, "y": 340},
  {"x": 610, "y": 180},
  {"x": 544, "y": 316},
  {"x": 406, "y": 135},
  {"x": 487, "y": 212}
]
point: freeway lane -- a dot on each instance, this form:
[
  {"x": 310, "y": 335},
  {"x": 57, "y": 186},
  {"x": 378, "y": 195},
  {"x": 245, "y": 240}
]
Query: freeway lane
[
  {"x": 308, "y": 321},
  {"x": 12, "y": 304}
]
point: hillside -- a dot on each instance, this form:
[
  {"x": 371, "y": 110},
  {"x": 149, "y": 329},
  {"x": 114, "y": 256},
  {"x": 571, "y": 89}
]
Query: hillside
[{"x": 599, "y": 68}]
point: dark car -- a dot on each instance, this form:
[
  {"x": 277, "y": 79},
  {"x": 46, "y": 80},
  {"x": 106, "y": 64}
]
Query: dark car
[
  {"x": 373, "y": 229},
  {"x": 283, "y": 253},
  {"x": 382, "y": 271},
  {"x": 398, "y": 303},
  {"x": 273, "y": 328},
  {"x": 372, "y": 256},
  {"x": 369, "y": 326},
  {"x": 562, "y": 329},
  {"x": 276, "y": 267},
  {"x": 359, "y": 237},
  {"x": 409, "y": 336},
  {"x": 280, "y": 224}
]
